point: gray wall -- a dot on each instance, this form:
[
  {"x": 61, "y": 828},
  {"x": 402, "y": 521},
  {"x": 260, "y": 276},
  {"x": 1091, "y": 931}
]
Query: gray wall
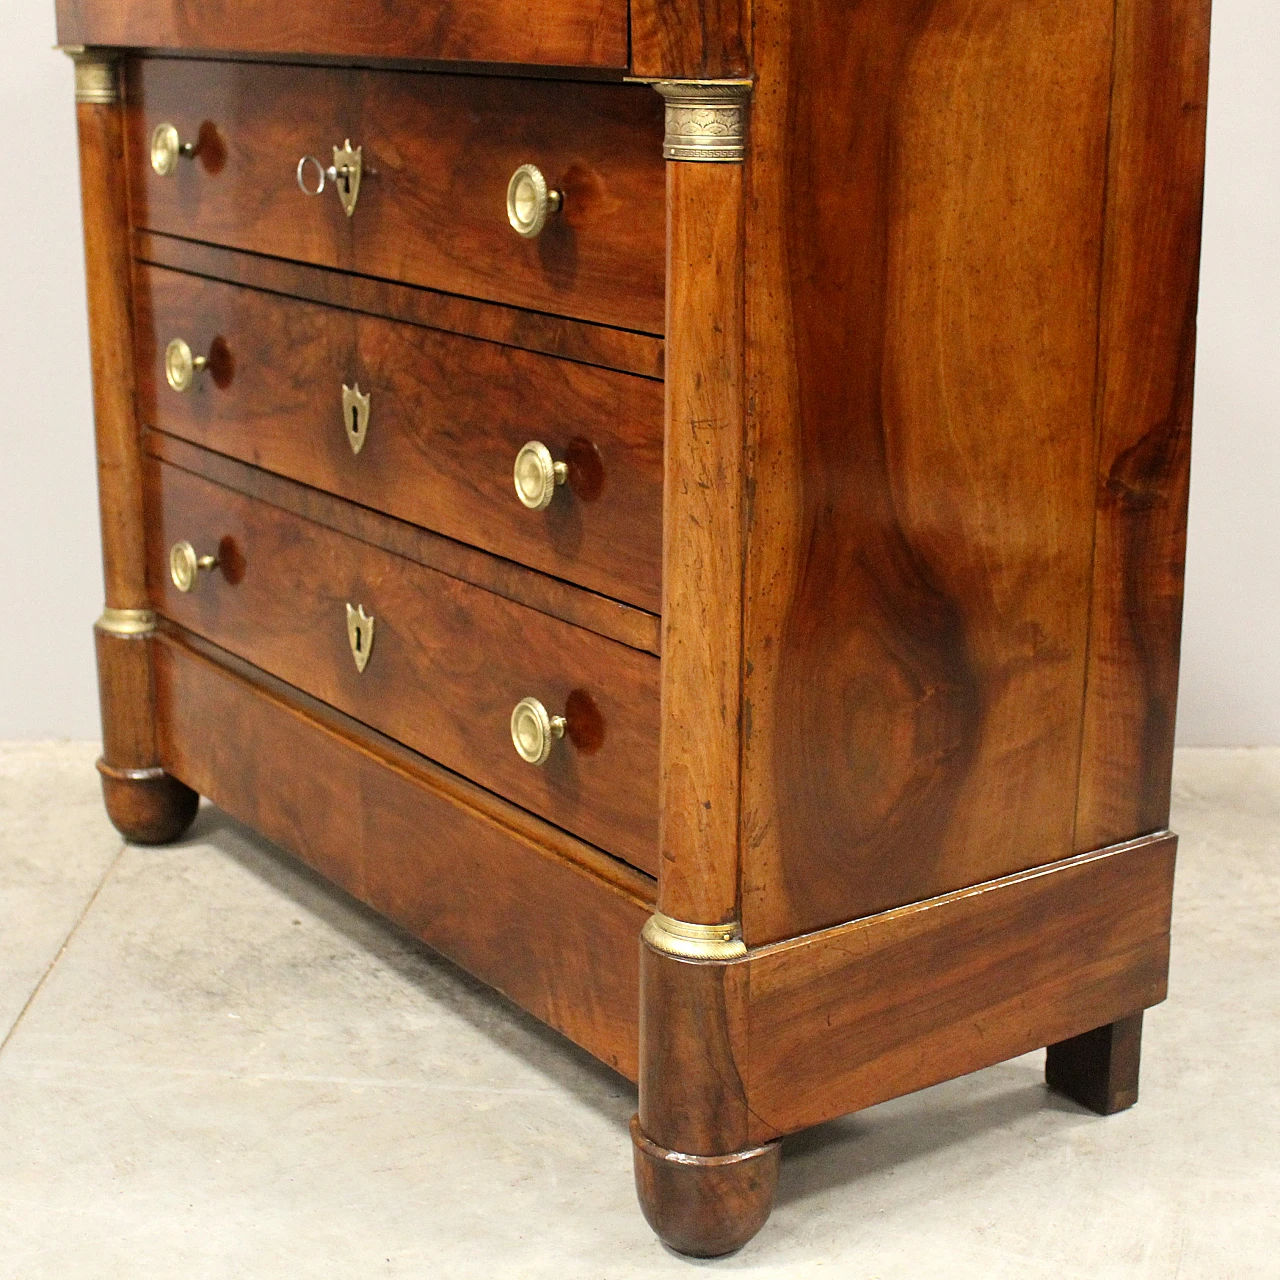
[{"x": 51, "y": 582}]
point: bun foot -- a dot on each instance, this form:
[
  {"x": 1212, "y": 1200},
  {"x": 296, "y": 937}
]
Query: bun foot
[
  {"x": 704, "y": 1206},
  {"x": 147, "y": 806}
]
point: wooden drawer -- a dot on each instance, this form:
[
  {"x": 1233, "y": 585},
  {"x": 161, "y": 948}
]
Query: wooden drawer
[
  {"x": 566, "y": 33},
  {"x": 438, "y": 152},
  {"x": 447, "y": 664},
  {"x": 448, "y": 416}
]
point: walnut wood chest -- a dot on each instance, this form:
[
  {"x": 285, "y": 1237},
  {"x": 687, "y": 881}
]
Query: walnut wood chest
[{"x": 679, "y": 505}]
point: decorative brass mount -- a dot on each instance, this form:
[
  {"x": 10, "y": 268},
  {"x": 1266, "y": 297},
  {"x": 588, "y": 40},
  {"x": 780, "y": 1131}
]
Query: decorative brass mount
[
  {"x": 97, "y": 75},
  {"x": 359, "y": 635},
  {"x": 355, "y": 415},
  {"x": 127, "y": 622},
  {"x": 706, "y": 119},
  {"x": 694, "y": 941}
]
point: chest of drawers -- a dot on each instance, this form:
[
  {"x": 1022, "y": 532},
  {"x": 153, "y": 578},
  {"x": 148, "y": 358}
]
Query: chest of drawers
[{"x": 681, "y": 507}]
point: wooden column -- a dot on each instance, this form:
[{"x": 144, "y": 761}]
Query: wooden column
[
  {"x": 704, "y": 1189},
  {"x": 145, "y": 803}
]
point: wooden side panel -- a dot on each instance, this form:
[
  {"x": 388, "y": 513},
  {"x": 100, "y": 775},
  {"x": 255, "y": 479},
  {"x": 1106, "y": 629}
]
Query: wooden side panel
[
  {"x": 567, "y": 33},
  {"x": 702, "y": 546},
  {"x": 438, "y": 152},
  {"x": 1147, "y": 375},
  {"x": 447, "y": 662},
  {"x": 691, "y": 39},
  {"x": 926, "y": 187},
  {"x": 875, "y": 1009},
  {"x": 515, "y": 902}
]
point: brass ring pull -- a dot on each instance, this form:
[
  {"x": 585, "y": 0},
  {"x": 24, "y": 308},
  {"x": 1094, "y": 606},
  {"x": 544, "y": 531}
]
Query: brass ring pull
[
  {"x": 530, "y": 202},
  {"x": 534, "y": 731},
  {"x": 180, "y": 366},
  {"x": 185, "y": 565},
  {"x": 167, "y": 148},
  {"x": 345, "y": 173},
  {"x": 537, "y": 474}
]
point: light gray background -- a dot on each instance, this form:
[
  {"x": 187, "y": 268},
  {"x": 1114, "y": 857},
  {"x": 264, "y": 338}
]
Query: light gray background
[{"x": 50, "y": 577}]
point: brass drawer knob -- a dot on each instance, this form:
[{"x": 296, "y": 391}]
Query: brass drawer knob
[
  {"x": 345, "y": 173},
  {"x": 530, "y": 202},
  {"x": 180, "y": 366},
  {"x": 185, "y": 565},
  {"x": 537, "y": 474},
  {"x": 534, "y": 731},
  {"x": 167, "y": 148}
]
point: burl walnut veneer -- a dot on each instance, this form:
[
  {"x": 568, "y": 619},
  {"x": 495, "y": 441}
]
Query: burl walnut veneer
[{"x": 679, "y": 505}]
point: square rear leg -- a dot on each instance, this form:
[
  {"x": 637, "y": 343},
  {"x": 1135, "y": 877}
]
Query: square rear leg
[{"x": 1100, "y": 1068}]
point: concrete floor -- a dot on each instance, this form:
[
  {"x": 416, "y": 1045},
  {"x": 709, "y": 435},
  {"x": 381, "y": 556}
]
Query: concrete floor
[{"x": 215, "y": 1066}]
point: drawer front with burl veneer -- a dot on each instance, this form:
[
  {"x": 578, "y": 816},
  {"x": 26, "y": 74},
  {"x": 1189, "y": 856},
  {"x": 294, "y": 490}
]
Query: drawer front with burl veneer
[
  {"x": 554, "y": 718},
  {"x": 551, "y": 463},
  {"x": 541, "y": 195}
]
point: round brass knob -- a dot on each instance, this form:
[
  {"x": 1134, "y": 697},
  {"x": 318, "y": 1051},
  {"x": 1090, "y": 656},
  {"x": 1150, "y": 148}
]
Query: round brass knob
[
  {"x": 185, "y": 565},
  {"x": 529, "y": 200},
  {"x": 180, "y": 366},
  {"x": 534, "y": 731},
  {"x": 166, "y": 148},
  {"x": 537, "y": 474}
]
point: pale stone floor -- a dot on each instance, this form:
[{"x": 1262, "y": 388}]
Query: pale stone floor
[{"x": 215, "y": 1066}]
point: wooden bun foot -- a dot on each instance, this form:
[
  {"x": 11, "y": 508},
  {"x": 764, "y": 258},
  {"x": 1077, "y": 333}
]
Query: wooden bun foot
[
  {"x": 704, "y": 1206},
  {"x": 147, "y": 806}
]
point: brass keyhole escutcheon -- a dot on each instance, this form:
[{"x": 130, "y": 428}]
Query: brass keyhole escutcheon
[
  {"x": 534, "y": 731},
  {"x": 185, "y": 566},
  {"x": 530, "y": 202},
  {"x": 180, "y": 366},
  {"x": 359, "y": 635},
  {"x": 537, "y": 474},
  {"x": 167, "y": 148},
  {"x": 345, "y": 173},
  {"x": 355, "y": 415}
]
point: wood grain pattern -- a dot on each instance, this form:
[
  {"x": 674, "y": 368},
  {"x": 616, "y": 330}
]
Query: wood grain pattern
[
  {"x": 105, "y": 216},
  {"x": 549, "y": 922},
  {"x": 449, "y": 662},
  {"x": 691, "y": 39},
  {"x": 448, "y": 417},
  {"x": 619, "y": 349},
  {"x": 145, "y": 805},
  {"x": 566, "y": 33},
  {"x": 702, "y": 552},
  {"x": 693, "y": 1038},
  {"x": 433, "y": 210},
  {"x": 704, "y": 1206},
  {"x": 511, "y": 581},
  {"x": 1147, "y": 376},
  {"x": 881, "y": 1007},
  {"x": 922, "y": 332}
]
